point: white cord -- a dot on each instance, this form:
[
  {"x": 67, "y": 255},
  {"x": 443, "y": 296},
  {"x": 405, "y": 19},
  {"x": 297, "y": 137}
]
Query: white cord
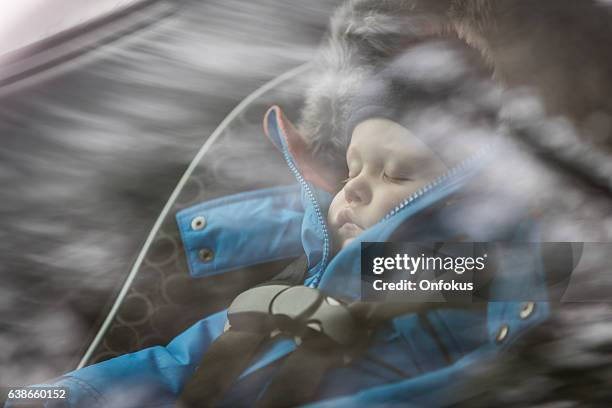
[{"x": 170, "y": 203}]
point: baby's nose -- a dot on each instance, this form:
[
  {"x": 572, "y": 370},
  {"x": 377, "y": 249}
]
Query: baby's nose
[{"x": 356, "y": 191}]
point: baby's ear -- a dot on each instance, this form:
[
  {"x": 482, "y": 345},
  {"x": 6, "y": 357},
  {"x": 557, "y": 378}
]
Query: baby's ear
[{"x": 313, "y": 167}]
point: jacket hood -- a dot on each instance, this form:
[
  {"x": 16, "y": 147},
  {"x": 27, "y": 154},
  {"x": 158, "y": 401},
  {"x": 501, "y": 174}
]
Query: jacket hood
[
  {"x": 556, "y": 102},
  {"x": 323, "y": 174},
  {"x": 440, "y": 91}
]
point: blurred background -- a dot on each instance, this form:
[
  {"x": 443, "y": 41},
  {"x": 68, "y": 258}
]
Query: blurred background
[{"x": 102, "y": 107}]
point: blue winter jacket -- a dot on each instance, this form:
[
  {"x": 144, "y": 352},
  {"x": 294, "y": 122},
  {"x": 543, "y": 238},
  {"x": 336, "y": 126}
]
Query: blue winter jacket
[{"x": 283, "y": 223}]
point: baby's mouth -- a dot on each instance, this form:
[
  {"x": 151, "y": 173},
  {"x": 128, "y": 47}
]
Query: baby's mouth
[
  {"x": 345, "y": 216},
  {"x": 347, "y": 227}
]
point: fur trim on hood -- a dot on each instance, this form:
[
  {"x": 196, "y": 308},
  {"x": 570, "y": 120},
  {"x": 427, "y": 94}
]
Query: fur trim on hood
[{"x": 525, "y": 44}]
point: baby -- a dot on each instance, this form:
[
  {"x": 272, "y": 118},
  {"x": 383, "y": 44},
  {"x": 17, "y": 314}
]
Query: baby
[
  {"x": 386, "y": 164},
  {"x": 405, "y": 132}
]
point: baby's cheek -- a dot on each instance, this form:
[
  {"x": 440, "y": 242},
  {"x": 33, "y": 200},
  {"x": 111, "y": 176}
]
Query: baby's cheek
[
  {"x": 392, "y": 198},
  {"x": 335, "y": 206}
]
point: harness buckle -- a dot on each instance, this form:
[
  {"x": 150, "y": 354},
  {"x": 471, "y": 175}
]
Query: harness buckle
[
  {"x": 250, "y": 310},
  {"x": 297, "y": 310}
]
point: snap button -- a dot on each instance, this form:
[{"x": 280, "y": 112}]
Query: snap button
[
  {"x": 198, "y": 223},
  {"x": 527, "y": 310},
  {"x": 502, "y": 333},
  {"x": 206, "y": 255}
]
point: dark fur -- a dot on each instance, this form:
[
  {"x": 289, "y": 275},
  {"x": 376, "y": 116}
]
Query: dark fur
[{"x": 558, "y": 48}]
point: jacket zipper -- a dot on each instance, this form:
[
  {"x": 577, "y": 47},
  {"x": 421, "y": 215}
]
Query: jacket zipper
[
  {"x": 464, "y": 165},
  {"x": 322, "y": 223}
]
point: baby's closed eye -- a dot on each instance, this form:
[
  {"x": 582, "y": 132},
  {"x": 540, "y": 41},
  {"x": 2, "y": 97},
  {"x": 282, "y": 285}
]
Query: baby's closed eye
[
  {"x": 398, "y": 172},
  {"x": 397, "y": 177}
]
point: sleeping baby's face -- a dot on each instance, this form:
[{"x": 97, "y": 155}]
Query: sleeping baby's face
[{"x": 386, "y": 164}]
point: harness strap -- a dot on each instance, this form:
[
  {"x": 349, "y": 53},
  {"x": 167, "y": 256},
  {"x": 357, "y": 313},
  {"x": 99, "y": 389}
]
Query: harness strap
[
  {"x": 373, "y": 314},
  {"x": 338, "y": 331},
  {"x": 299, "y": 377},
  {"x": 227, "y": 357},
  {"x": 292, "y": 274}
]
